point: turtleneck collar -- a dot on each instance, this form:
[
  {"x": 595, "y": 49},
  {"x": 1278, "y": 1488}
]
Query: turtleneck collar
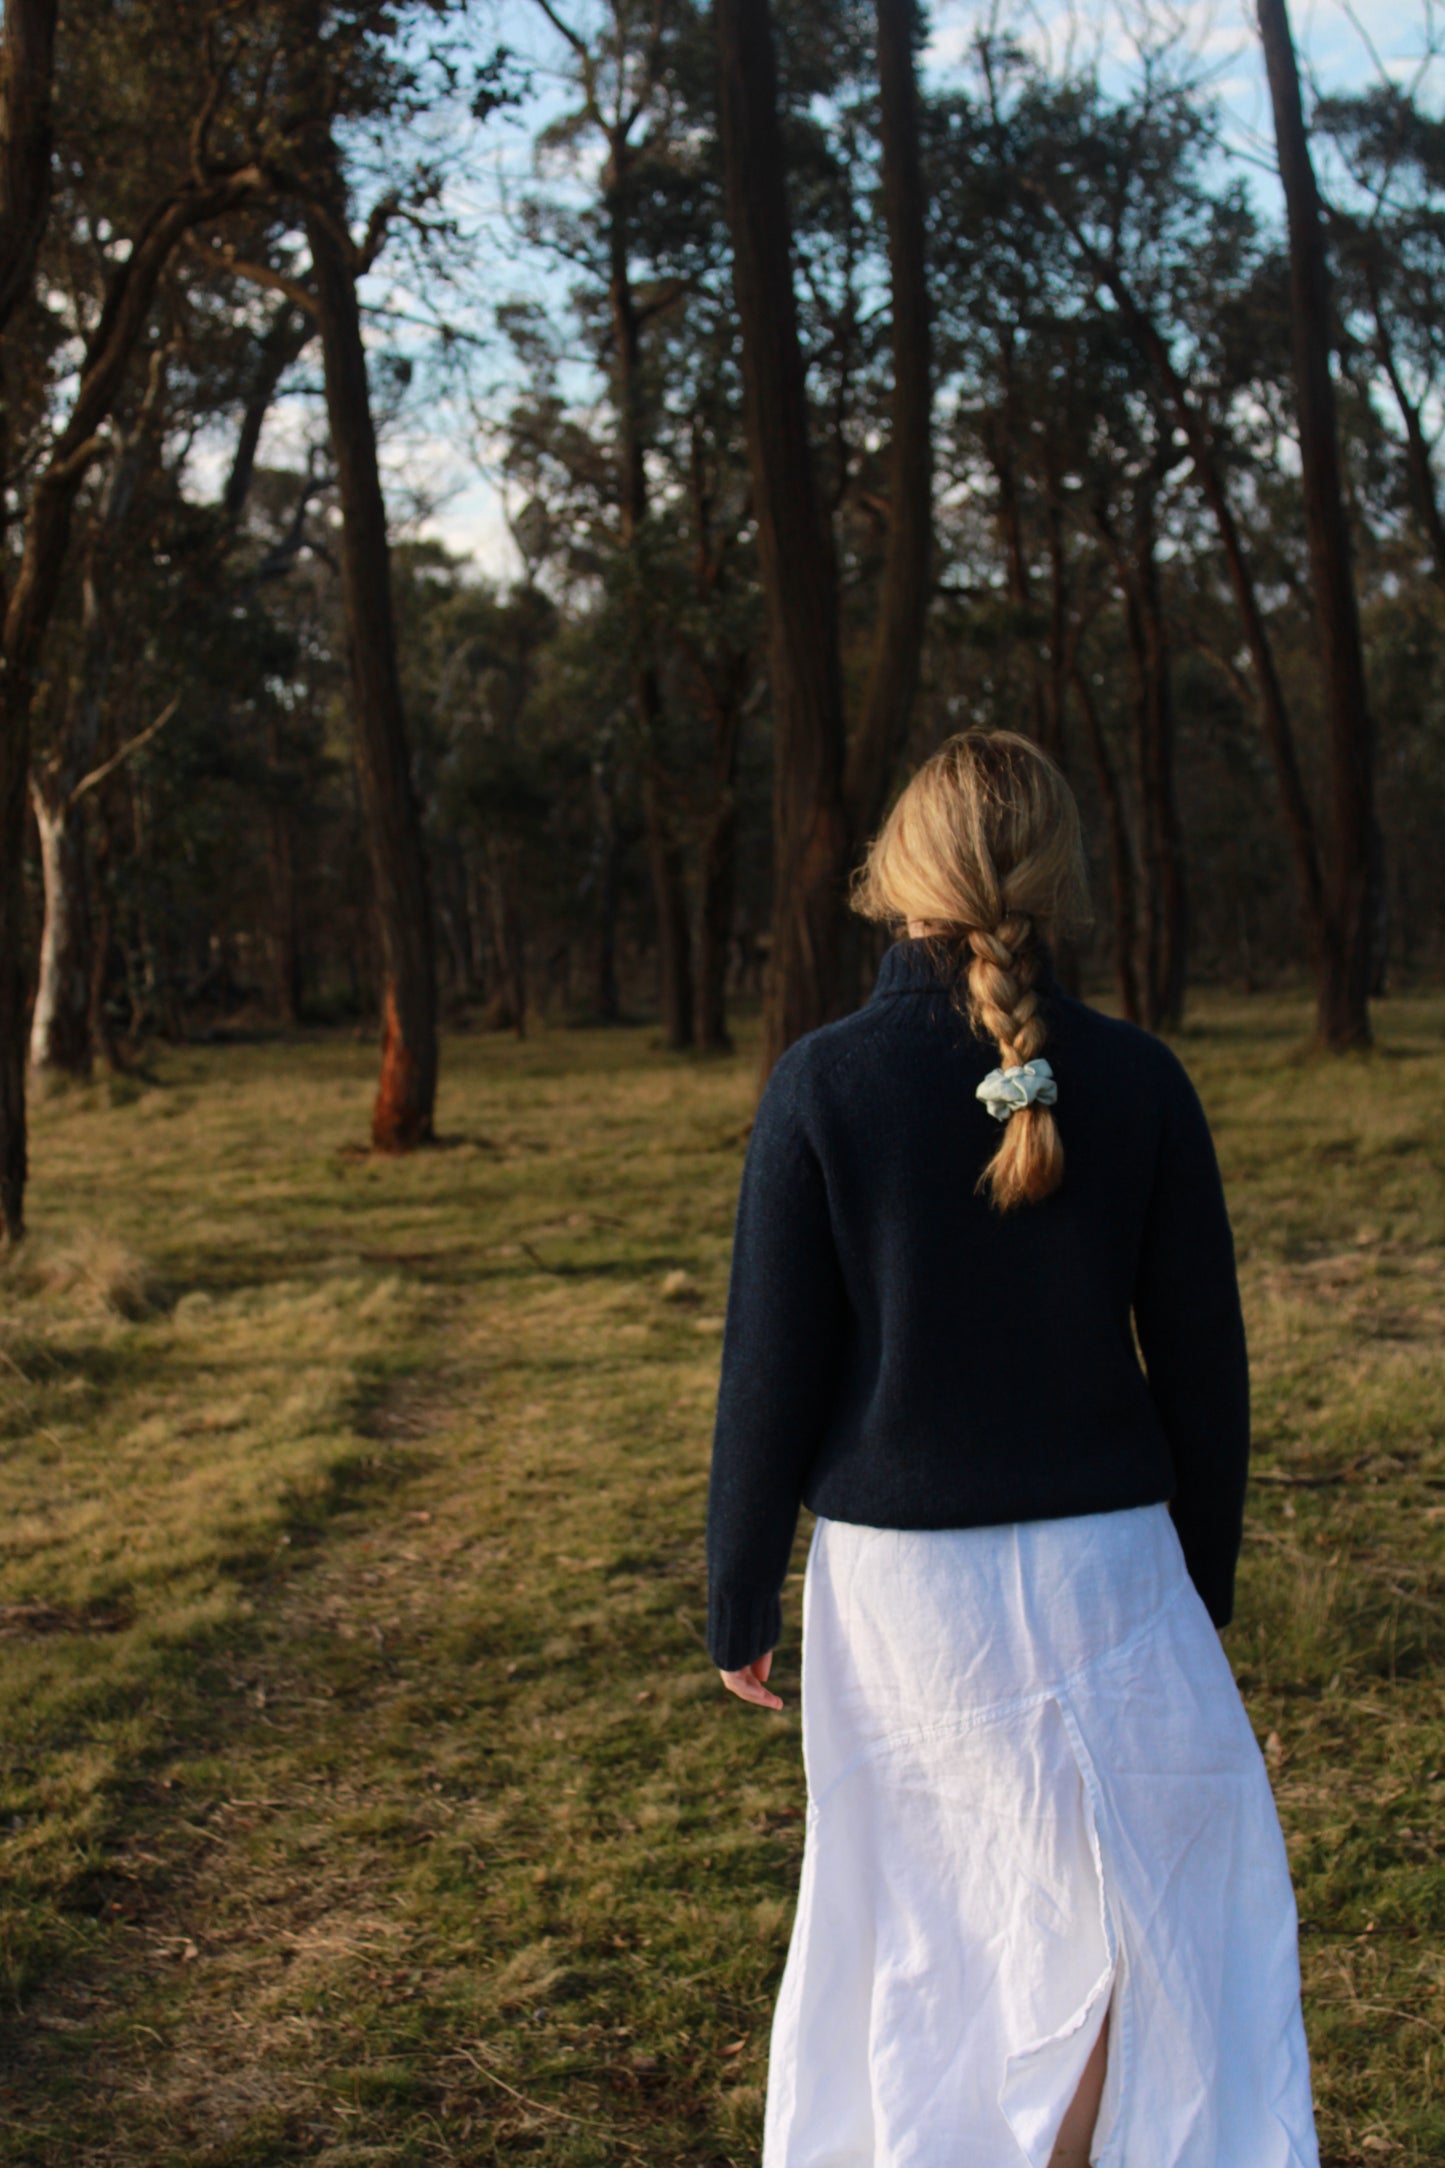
[{"x": 920, "y": 967}]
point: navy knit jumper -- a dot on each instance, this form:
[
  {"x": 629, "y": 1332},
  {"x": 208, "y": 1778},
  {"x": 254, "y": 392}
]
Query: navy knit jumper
[{"x": 899, "y": 1353}]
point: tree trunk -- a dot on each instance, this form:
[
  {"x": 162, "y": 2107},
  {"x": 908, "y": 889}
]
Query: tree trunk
[
  {"x": 60, "y": 1023},
  {"x": 1121, "y": 852},
  {"x": 1419, "y": 462},
  {"x": 794, "y": 546},
  {"x": 1061, "y": 640},
  {"x": 27, "y": 63},
  {"x": 717, "y": 872},
  {"x": 1166, "y": 916},
  {"x": 664, "y": 852},
  {"x": 722, "y": 674},
  {"x": 285, "y": 922},
  {"x": 607, "y": 884},
  {"x": 906, "y": 585},
  {"x": 669, "y": 895},
  {"x": 281, "y": 865},
  {"x": 280, "y": 345},
  {"x": 27, "y": 68},
  {"x": 826, "y": 795},
  {"x": 60, "y": 1020},
  {"x": 99, "y": 1034},
  {"x": 507, "y": 1007},
  {"x": 402, "y": 1115},
  {"x": 716, "y": 887},
  {"x": 999, "y": 451},
  {"x": 1352, "y": 852},
  {"x": 1064, "y": 641}
]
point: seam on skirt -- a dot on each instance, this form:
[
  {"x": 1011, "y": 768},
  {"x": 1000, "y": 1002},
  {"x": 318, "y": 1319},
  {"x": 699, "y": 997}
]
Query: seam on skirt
[{"x": 992, "y": 1713}]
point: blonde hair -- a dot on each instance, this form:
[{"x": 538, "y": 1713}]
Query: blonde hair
[{"x": 983, "y": 847}]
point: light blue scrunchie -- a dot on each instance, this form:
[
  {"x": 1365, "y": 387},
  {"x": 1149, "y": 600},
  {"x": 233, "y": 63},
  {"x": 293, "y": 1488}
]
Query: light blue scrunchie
[{"x": 1004, "y": 1091}]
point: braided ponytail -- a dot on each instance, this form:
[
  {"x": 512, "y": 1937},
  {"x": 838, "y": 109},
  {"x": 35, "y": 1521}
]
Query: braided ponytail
[
  {"x": 1002, "y": 968},
  {"x": 983, "y": 847}
]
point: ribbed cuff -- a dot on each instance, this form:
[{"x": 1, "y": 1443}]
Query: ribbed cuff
[
  {"x": 740, "y": 1629},
  {"x": 1215, "y": 1583}
]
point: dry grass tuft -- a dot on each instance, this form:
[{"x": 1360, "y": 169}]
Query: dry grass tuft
[{"x": 90, "y": 1269}]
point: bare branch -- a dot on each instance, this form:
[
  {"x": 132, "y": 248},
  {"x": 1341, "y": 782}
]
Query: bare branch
[
  {"x": 223, "y": 256},
  {"x": 132, "y": 745},
  {"x": 672, "y": 290},
  {"x": 377, "y": 227},
  {"x": 1361, "y": 32},
  {"x": 220, "y": 76},
  {"x": 583, "y": 51}
]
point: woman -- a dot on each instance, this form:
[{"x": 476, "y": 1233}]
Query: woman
[{"x": 1045, "y": 1911}]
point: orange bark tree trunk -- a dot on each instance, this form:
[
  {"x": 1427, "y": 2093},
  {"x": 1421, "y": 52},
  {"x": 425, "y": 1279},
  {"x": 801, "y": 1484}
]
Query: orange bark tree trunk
[{"x": 402, "y": 1114}]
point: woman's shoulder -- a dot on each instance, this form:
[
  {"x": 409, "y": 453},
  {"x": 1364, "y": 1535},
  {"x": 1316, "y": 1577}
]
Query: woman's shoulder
[
  {"x": 1118, "y": 1053},
  {"x": 810, "y": 1060},
  {"x": 827, "y": 1074}
]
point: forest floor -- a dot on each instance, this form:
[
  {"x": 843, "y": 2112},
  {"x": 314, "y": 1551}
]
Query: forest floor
[{"x": 365, "y": 1793}]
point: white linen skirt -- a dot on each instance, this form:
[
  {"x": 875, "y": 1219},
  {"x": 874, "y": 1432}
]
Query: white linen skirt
[{"x": 1035, "y": 1806}]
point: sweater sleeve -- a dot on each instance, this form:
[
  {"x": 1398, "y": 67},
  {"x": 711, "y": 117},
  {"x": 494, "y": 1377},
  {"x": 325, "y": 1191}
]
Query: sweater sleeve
[
  {"x": 782, "y": 1346},
  {"x": 1191, "y": 1333}
]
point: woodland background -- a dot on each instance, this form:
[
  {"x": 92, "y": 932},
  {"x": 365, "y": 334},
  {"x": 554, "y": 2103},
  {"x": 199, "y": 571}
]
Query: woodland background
[{"x": 833, "y": 410}]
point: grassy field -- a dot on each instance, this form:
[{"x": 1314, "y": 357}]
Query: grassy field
[{"x": 365, "y": 1794}]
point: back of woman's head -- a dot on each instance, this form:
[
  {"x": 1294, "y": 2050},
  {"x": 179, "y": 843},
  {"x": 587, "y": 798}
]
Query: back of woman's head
[{"x": 983, "y": 849}]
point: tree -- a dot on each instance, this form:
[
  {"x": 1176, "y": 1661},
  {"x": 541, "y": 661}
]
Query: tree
[
  {"x": 826, "y": 791},
  {"x": 402, "y": 1113},
  {"x": 1352, "y": 862},
  {"x": 795, "y": 549},
  {"x": 27, "y": 60},
  {"x": 66, "y": 767}
]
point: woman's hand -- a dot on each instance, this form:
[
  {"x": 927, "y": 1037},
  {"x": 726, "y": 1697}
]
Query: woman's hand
[{"x": 749, "y": 1684}]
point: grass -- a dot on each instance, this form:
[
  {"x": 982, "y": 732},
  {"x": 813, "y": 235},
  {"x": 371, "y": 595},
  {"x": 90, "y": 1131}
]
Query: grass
[{"x": 365, "y": 1795}]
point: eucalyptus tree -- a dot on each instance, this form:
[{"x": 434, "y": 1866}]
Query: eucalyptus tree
[
  {"x": 66, "y": 764},
  {"x": 347, "y": 72},
  {"x": 829, "y": 785},
  {"x": 1352, "y": 870}
]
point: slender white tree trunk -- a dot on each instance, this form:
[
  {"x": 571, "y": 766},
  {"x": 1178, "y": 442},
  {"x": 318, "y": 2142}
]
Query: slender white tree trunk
[{"x": 60, "y": 1023}]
